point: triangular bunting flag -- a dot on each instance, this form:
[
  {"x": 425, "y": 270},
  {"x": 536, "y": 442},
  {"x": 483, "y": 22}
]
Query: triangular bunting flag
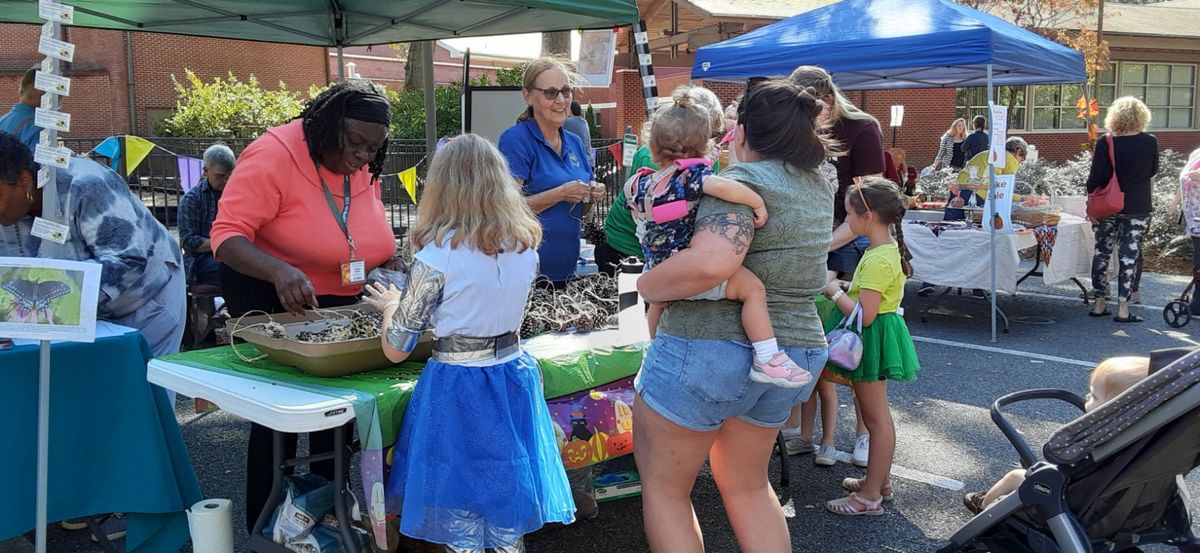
[
  {"x": 616, "y": 151},
  {"x": 136, "y": 150},
  {"x": 111, "y": 149},
  {"x": 408, "y": 178},
  {"x": 190, "y": 172}
]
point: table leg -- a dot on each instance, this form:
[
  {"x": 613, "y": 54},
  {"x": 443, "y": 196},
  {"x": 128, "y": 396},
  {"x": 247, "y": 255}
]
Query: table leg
[
  {"x": 1037, "y": 264},
  {"x": 276, "y": 488},
  {"x": 937, "y": 300},
  {"x": 341, "y": 509}
]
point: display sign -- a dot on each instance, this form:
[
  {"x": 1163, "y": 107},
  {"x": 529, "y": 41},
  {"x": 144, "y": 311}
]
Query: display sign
[{"x": 48, "y": 299}]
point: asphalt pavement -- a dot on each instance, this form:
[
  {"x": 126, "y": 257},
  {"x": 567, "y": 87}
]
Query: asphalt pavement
[{"x": 946, "y": 442}]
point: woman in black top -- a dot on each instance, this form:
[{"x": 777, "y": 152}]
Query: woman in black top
[{"x": 1136, "y": 155}]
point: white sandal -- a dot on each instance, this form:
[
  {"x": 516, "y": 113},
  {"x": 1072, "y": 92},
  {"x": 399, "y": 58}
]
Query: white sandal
[
  {"x": 855, "y": 485},
  {"x": 844, "y": 506}
]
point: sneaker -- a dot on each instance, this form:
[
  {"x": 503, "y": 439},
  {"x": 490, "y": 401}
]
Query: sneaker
[
  {"x": 780, "y": 371},
  {"x": 925, "y": 289},
  {"x": 799, "y": 446},
  {"x": 862, "y": 448},
  {"x": 826, "y": 456}
]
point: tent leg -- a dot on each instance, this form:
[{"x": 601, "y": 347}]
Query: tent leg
[
  {"x": 430, "y": 106},
  {"x": 341, "y": 65},
  {"x": 992, "y": 202}
]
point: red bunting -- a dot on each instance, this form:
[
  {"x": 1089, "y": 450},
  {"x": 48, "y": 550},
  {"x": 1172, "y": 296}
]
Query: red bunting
[{"x": 616, "y": 149}]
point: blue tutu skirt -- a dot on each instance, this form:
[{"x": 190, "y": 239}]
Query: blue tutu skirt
[{"x": 476, "y": 464}]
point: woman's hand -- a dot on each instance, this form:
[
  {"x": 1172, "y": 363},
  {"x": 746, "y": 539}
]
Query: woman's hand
[
  {"x": 573, "y": 191},
  {"x": 379, "y": 297},
  {"x": 294, "y": 289},
  {"x": 598, "y": 190}
]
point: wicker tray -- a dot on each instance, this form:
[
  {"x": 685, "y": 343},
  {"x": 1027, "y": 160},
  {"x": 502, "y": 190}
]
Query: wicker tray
[
  {"x": 325, "y": 360},
  {"x": 1027, "y": 218}
]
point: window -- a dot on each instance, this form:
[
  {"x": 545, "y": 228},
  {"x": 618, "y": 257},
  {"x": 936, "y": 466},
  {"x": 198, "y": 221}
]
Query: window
[
  {"x": 1167, "y": 89},
  {"x": 970, "y": 102},
  {"x": 1054, "y": 107}
]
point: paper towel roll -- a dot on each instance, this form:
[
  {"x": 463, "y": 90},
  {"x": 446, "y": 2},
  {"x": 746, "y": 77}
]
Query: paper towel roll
[{"x": 211, "y": 524}]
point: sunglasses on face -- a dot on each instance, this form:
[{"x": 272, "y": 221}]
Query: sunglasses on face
[{"x": 552, "y": 93}]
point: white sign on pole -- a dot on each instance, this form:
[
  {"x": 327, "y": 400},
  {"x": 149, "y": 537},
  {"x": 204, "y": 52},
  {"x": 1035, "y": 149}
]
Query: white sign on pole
[
  {"x": 641, "y": 38},
  {"x": 56, "y": 48},
  {"x": 50, "y": 119},
  {"x": 596, "y": 50},
  {"x": 52, "y": 155},
  {"x": 628, "y": 149},
  {"x": 53, "y": 11},
  {"x": 999, "y": 129},
  {"x": 998, "y": 206},
  {"x": 897, "y": 116},
  {"x": 47, "y": 82}
]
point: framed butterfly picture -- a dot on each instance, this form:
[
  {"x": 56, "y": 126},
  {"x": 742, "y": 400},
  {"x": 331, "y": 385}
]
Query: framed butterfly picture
[{"x": 48, "y": 299}]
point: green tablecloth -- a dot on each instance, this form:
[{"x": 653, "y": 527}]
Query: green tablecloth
[{"x": 114, "y": 443}]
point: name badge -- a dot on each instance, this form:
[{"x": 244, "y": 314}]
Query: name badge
[
  {"x": 49, "y": 230},
  {"x": 354, "y": 271}
]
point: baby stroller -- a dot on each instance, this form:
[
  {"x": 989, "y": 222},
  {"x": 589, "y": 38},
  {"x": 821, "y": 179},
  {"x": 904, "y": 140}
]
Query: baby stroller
[
  {"x": 1112, "y": 479},
  {"x": 1178, "y": 313}
]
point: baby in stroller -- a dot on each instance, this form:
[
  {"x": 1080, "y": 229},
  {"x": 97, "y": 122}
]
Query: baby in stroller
[
  {"x": 1109, "y": 379},
  {"x": 1110, "y": 480}
]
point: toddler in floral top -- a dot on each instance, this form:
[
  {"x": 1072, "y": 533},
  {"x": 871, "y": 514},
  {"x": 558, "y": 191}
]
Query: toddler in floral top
[{"x": 663, "y": 204}]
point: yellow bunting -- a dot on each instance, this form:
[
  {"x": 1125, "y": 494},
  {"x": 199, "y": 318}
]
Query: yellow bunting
[
  {"x": 408, "y": 178},
  {"x": 136, "y": 150}
]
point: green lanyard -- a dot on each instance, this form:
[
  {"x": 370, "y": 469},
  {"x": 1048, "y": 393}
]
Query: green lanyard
[{"x": 342, "y": 217}]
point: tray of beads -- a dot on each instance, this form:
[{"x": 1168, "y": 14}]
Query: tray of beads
[{"x": 321, "y": 342}]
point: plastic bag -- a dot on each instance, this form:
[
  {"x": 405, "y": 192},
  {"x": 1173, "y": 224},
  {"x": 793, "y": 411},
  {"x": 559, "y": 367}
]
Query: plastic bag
[
  {"x": 387, "y": 276},
  {"x": 305, "y": 521}
]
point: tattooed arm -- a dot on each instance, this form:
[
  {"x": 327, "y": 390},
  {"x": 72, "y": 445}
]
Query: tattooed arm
[{"x": 716, "y": 252}]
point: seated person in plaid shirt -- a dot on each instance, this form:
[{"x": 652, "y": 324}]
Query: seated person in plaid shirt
[{"x": 197, "y": 210}]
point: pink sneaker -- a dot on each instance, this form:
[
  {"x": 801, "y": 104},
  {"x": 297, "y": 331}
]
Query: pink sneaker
[{"x": 780, "y": 371}]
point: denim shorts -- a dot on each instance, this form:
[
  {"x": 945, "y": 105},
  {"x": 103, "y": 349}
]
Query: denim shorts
[
  {"x": 845, "y": 259},
  {"x": 699, "y": 384}
]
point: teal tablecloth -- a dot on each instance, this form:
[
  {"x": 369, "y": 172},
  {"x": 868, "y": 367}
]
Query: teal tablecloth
[{"x": 114, "y": 443}]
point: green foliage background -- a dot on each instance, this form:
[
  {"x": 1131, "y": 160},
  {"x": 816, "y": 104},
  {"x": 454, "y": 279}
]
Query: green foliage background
[{"x": 65, "y": 309}]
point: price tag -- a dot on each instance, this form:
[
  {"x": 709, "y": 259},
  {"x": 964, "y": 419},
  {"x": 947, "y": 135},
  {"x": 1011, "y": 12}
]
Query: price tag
[
  {"x": 645, "y": 59},
  {"x": 49, "y": 230},
  {"x": 52, "y": 155},
  {"x": 48, "y": 65},
  {"x": 641, "y": 38},
  {"x": 48, "y": 119},
  {"x": 56, "y": 48},
  {"x": 49, "y": 82},
  {"x": 649, "y": 81},
  {"x": 53, "y": 11}
]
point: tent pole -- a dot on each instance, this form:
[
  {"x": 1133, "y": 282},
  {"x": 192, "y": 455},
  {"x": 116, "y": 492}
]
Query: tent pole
[
  {"x": 992, "y": 203},
  {"x": 430, "y": 106},
  {"x": 341, "y": 65}
]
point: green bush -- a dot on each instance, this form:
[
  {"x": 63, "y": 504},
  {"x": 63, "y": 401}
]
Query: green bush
[{"x": 228, "y": 107}]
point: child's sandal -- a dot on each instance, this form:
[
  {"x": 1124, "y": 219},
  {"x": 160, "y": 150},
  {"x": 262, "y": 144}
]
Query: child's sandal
[
  {"x": 855, "y": 485},
  {"x": 853, "y": 506}
]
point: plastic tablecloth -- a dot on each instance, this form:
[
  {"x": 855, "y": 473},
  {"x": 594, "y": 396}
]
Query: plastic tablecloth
[{"x": 115, "y": 445}]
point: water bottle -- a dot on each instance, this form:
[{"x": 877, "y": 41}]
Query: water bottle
[{"x": 631, "y": 309}]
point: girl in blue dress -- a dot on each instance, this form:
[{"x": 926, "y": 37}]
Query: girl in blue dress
[{"x": 476, "y": 464}]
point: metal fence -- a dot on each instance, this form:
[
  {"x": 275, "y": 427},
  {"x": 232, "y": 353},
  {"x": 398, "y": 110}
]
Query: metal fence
[{"x": 156, "y": 180}]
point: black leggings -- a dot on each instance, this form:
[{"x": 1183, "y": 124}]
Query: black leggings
[{"x": 243, "y": 294}]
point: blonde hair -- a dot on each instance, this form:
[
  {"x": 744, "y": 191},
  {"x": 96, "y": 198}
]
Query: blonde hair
[
  {"x": 1127, "y": 115},
  {"x": 469, "y": 191},
  {"x": 700, "y": 96},
  {"x": 821, "y": 81},
  {"x": 684, "y": 128},
  {"x": 1117, "y": 374},
  {"x": 535, "y": 70},
  {"x": 950, "y": 131}
]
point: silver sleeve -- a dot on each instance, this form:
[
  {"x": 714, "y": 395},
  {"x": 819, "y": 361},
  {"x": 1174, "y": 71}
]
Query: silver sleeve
[{"x": 420, "y": 298}]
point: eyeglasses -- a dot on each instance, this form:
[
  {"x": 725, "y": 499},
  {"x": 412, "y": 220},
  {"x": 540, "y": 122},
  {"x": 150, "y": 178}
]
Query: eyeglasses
[{"x": 552, "y": 93}]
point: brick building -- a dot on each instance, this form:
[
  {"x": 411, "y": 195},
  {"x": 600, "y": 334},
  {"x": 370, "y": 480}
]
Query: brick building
[{"x": 1155, "y": 49}]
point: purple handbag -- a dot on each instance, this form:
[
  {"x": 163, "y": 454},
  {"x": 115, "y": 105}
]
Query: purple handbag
[{"x": 845, "y": 341}]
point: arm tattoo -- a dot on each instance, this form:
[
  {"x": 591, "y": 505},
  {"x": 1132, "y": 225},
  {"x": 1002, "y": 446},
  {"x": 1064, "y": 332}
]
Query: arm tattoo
[
  {"x": 737, "y": 228},
  {"x": 420, "y": 298}
]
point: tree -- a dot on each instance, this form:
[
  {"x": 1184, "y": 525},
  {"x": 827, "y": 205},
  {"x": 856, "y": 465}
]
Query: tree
[
  {"x": 228, "y": 107},
  {"x": 414, "y": 65},
  {"x": 557, "y": 43}
]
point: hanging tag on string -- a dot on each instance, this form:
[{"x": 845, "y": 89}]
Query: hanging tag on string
[{"x": 49, "y": 230}]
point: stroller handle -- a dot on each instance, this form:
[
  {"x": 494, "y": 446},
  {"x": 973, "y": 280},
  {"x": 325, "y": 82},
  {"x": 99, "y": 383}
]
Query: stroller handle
[{"x": 1028, "y": 458}]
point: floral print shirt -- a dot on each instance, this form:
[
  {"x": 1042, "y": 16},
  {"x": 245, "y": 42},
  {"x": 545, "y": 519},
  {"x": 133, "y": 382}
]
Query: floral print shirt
[{"x": 663, "y": 230}]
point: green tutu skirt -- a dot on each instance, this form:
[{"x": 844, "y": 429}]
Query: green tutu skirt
[{"x": 888, "y": 352}]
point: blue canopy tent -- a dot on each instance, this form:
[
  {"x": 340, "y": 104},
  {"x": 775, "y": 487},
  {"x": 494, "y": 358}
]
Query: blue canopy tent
[
  {"x": 886, "y": 44},
  {"x": 889, "y": 44}
]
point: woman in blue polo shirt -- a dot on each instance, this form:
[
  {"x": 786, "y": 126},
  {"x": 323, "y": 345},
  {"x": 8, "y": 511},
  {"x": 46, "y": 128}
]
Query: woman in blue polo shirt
[{"x": 551, "y": 166}]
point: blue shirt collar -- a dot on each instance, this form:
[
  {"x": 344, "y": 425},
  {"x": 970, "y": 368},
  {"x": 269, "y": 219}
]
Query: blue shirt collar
[{"x": 536, "y": 132}]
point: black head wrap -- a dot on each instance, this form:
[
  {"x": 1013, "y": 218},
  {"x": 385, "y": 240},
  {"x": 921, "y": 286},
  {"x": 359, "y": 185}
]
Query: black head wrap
[{"x": 369, "y": 108}]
